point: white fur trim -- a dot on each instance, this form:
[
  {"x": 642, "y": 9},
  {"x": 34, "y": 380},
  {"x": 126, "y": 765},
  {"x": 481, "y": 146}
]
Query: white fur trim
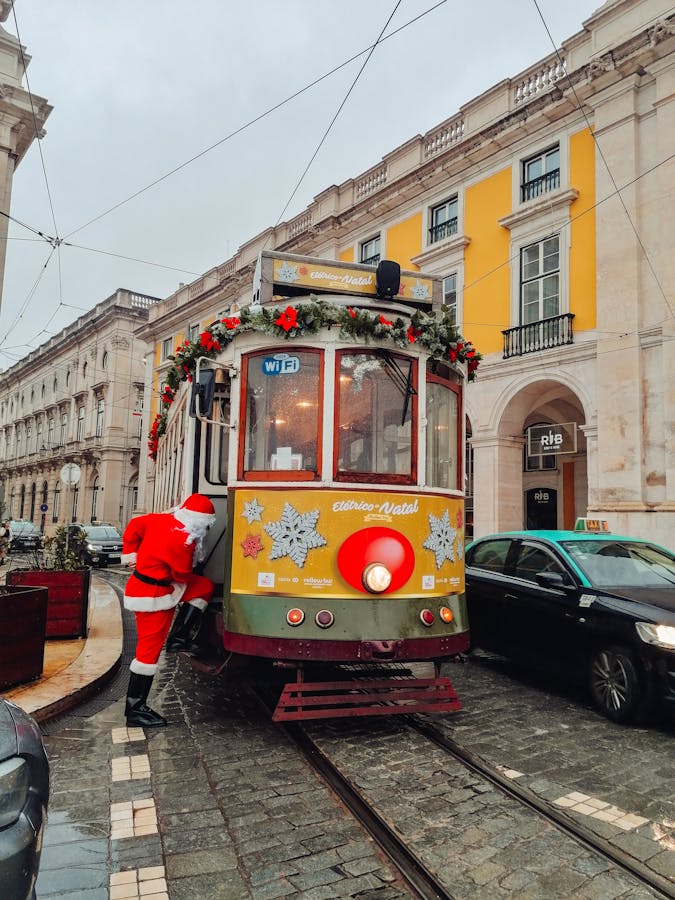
[
  {"x": 190, "y": 519},
  {"x": 128, "y": 559},
  {"x": 152, "y": 604},
  {"x": 142, "y": 668},
  {"x": 198, "y": 603}
]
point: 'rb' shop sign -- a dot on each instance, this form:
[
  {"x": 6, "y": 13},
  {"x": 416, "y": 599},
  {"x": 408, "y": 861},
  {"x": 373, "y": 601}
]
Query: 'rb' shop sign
[{"x": 544, "y": 439}]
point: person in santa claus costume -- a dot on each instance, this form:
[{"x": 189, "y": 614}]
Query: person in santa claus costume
[{"x": 163, "y": 547}]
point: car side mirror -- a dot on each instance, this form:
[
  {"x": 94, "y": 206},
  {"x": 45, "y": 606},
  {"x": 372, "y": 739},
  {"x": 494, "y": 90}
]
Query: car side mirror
[{"x": 553, "y": 580}]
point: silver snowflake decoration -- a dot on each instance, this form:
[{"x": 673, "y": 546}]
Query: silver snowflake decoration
[
  {"x": 253, "y": 511},
  {"x": 420, "y": 291},
  {"x": 441, "y": 538},
  {"x": 287, "y": 273},
  {"x": 295, "y": 534}
]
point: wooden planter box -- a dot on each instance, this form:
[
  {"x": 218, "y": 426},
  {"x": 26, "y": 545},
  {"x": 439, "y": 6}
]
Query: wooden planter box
[
  {"x": 23, "y": 622},
  {"x": 68, "y": 598}
]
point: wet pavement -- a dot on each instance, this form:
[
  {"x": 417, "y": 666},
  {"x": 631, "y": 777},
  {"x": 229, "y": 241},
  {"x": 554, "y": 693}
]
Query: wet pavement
[{"x": 220, "y": 804}]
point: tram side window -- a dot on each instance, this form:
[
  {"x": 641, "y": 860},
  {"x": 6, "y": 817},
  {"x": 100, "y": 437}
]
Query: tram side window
[
  {"x": 282, "y": 415},
  {"x": 376, "y": 411},
  {"x": 443, "y": 429}
]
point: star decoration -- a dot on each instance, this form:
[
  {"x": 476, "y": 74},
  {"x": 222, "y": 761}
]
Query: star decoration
[
  {"x": 252, "y": 545},
  {"x": 253, "y": 511},
  {"x": 420, "y": 291},
  {"x": 441, "y": 538},
  {"x": 294, "y": 535}
]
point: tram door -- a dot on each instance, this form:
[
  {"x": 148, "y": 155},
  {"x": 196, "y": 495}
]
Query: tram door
[{"x": 541, "y": 508}]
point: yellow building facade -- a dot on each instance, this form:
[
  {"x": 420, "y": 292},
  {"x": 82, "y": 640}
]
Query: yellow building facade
[{"x": 543, "y": 204}]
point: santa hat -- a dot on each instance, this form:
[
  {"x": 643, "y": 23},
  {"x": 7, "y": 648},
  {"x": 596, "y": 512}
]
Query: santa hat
[{"x": 197, "y": 511}]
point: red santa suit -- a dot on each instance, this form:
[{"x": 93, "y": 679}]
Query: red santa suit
[{"x": 163, "y": 547}]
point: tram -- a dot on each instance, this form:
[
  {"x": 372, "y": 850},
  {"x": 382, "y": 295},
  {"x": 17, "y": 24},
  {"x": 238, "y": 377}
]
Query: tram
[{"x": 323, "y": 415}]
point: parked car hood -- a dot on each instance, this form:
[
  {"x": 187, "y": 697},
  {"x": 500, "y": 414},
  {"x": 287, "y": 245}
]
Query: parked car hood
[{"x": 656, "y": 598}]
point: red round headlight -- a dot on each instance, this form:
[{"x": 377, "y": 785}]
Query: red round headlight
[
  {"x": 372, "y": 550},
  {"x": 295, "y": 616}
]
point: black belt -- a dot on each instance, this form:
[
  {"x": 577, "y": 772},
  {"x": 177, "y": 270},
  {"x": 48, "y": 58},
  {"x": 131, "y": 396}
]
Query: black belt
[{"x": 148, "y": 579}]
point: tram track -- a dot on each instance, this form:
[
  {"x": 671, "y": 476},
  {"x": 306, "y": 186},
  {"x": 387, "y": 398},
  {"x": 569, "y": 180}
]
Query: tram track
[{"x": 421, "y": 877}]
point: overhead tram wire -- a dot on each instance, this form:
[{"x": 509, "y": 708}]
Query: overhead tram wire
[
  {"x": 255, "y": 120},
  {"x": 606, "y": 164},
  {"x": 35, "y": 125},
  {"x": 337, "y": 113}
]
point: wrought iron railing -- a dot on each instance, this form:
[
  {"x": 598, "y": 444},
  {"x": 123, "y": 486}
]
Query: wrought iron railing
[
  {"x": 371, "y": 260},
  {"x": 442, "y": 230},
  {"x": 538, "y": 186},
  {"x": 542, "y": 335}
]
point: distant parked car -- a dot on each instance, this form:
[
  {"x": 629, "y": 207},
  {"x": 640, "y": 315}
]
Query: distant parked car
[
  {"x": 103, "y": 546},
  {"x": 24, "y": 536},
  {"x": 598, "y": 607},
  {"x": 24, "y": 794}
]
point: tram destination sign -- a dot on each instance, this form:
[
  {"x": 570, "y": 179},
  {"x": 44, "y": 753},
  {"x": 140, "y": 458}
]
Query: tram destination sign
[
  {"x": 288, "y": 275},
  {"x": 545, "y": 439}
]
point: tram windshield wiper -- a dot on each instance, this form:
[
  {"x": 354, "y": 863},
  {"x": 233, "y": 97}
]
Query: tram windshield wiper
[{"x": 402, "y": 381}]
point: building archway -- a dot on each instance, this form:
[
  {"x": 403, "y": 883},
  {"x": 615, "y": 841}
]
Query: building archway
[{"x": 514, "y": 489}]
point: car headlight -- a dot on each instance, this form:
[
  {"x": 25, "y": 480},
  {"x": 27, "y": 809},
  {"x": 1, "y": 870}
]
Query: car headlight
[
  {"x": 661, "y": 635},
  {"x": 14, "y": 784}
]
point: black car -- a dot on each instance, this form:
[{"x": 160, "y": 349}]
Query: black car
[
  {"x": 103, "y": 545},
  {"x": 23, "y": 537},
  {"x": 598, "y": 607},
  {"x": 24, "y": 794}
]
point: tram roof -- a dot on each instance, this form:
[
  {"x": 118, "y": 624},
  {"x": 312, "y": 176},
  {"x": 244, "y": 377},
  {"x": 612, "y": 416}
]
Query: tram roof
[{"x": 287, "y": 275}]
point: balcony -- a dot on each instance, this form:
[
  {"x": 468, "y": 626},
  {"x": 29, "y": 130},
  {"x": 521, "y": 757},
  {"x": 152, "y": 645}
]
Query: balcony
[
  {"x": 538, "y": 186},
  {"x": 553, "y": 332},
  {"x": 442, "y": 230}
]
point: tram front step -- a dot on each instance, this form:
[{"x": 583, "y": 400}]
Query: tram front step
[{"x": 367, "y": 697}]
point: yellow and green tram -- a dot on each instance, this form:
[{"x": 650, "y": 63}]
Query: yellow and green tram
[{"x": 324, "y": 418}]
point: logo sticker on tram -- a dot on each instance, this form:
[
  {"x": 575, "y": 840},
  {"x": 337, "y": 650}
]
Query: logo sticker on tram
[
  {"x": 266, "y": 579},
  {"x": 281, "y": 364}
]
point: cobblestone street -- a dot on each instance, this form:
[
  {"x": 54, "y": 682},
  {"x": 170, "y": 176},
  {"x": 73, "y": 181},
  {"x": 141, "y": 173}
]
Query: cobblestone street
[{"x": 220, "y": 804}]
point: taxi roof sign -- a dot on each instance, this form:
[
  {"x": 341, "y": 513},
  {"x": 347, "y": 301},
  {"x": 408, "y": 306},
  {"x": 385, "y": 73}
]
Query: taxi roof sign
[{"x": 595, "y": 525}]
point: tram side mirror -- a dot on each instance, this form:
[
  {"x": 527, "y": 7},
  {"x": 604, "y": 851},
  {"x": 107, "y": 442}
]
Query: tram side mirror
[
  {"x": 202, "y": 393},
  {"x": 387, "y": 278}
]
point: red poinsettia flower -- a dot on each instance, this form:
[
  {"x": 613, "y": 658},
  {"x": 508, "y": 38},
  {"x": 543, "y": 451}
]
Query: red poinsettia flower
[
  {"x": 206, "y": 340},
  {"x": 413, "y": 334},
  {"x": 287, "y": 319},
  {"x": 384, "y": 321},
  {"x": 231, "y": 322},
  {"x": 452, "y": 354},
  {"x": 351, "y": 312}
]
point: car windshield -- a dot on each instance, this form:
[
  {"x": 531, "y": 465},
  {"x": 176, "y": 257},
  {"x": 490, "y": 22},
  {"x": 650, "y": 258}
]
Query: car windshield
[
  {"x": 24, "y": 528},
  {"x": 613, "y": 563},
  {"x": 102, "y": 533}
]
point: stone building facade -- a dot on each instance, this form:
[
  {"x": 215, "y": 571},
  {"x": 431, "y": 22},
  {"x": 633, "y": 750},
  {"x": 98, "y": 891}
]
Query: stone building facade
[
  {"x": 77, "y": 398},
  {"x": 22, "y": 119},
  {"x": 544, "y": 204}
]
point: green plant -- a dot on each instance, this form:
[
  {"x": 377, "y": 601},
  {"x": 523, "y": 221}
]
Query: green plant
[{"x": 65, "y": 548}]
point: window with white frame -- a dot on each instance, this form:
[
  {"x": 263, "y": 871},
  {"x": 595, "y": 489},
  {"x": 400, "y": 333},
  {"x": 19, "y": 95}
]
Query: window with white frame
[
  {"x": 450, "y": 297},
  {"x": 540, "y": 173},
  {"x": 369, "y": 253},
  {"x": 443, "y": 220},
  {"x": 100, "y": 412},
  {"x": 64, "y": 429},
  {"x": 80, "y": 423},
  {"x": 193, "y": 332},
  {"x": 167, "y": 346},
  {"x": 540, "y": 280}
]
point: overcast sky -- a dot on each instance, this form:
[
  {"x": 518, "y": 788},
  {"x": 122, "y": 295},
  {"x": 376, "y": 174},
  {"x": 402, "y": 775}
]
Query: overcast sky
[{"x": 141, "y": 86}]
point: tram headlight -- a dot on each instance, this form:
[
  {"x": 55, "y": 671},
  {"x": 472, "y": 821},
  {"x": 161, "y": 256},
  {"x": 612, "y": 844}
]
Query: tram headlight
[
  {"x": 427, "y": 617},
  {"x": 376, "y": 578},
  {"x": 446, "y": 614}
]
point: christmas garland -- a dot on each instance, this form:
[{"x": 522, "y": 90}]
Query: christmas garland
[{"x": 436, "y": 333}]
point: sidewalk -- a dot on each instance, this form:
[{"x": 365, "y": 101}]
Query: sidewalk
[{"x": 75, "y": 669}]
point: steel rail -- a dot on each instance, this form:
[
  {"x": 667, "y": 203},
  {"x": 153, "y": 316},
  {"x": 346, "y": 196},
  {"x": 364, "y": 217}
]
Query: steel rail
[
  {"x": 577, "y": 831},
  {"x": 412, "y": 871}
]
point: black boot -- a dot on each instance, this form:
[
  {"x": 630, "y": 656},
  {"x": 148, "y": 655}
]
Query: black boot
[
  {"x": 138, "y": 713},
  {"x": 185, "y": 630}
]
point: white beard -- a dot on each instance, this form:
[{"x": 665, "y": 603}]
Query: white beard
[{"x": 196, "y": 526}]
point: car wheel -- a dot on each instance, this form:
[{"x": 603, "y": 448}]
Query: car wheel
[{"x": 615, "y": 684}]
